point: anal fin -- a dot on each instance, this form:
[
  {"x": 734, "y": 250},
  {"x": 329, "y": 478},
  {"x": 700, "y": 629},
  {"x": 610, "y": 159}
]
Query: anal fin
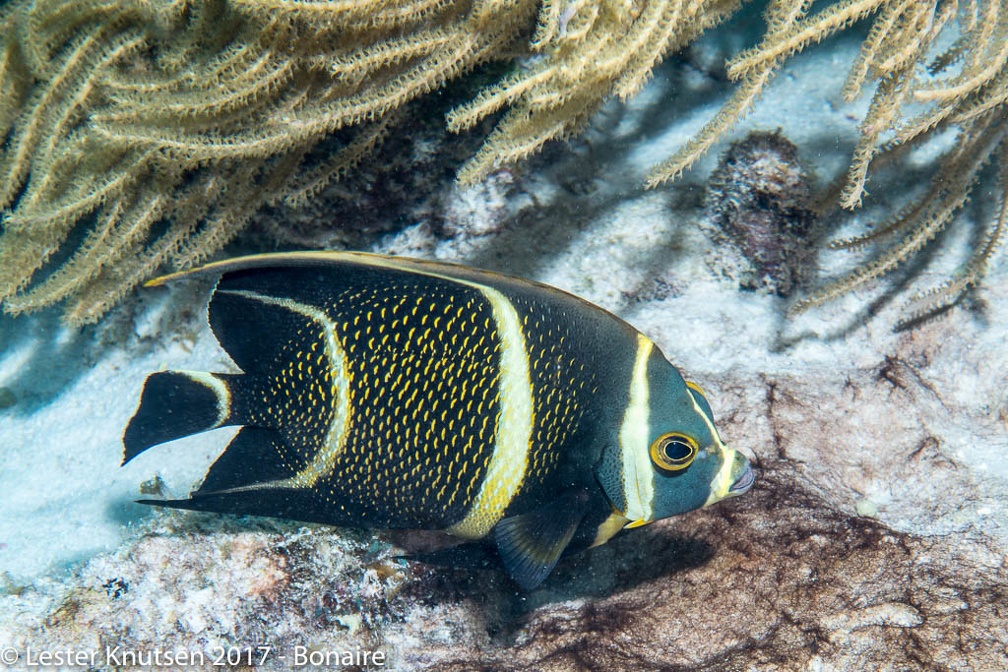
[
  {"x": 473, "y": 556},
  {"x": 531, "y": 544},
  {"x": 255, "y": 455},
  {"x": 247, "y": 479}
]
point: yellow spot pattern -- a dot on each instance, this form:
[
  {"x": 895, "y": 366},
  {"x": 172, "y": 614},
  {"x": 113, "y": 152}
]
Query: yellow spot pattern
[
  {"x": 423, "y": 361},
  {"x": 299, "y": 400},
  {"x": 423, "y": 408},
  {"x": 561, "y": 388}
]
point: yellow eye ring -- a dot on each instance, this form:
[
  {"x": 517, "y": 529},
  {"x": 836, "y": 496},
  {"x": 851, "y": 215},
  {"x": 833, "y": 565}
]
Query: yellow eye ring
[{"x": 674, "y": 451}]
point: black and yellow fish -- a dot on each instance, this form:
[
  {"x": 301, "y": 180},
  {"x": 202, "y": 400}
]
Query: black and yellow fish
[{"x": 384, "y": 392}]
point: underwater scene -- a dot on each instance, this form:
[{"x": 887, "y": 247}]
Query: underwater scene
[{"x": 459, "y": 335}]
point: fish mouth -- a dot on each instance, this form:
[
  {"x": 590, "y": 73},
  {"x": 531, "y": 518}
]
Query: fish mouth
[
  {"x": 734, "y": 478},
  {"x": 743, "y": 482}
]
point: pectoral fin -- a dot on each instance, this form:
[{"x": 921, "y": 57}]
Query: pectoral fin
[{"x": 531, "y": 544}]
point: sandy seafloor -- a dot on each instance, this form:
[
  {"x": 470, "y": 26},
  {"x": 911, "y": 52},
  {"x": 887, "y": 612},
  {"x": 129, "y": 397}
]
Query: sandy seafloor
[{"x": 908, "y": 428}]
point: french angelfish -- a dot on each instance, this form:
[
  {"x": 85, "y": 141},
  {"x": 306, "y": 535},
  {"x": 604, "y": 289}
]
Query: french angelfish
[{"x": 386, "y": 392}]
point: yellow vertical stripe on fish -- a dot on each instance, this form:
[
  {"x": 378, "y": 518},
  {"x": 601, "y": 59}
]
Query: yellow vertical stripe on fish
[
  {"x": 219, "y": 389},
  {"x": 323, "y": 462},
  {"x": 514, "y": 428},
  {"x": 638, "y": 475}
]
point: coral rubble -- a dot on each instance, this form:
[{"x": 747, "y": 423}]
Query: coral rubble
[{"x": 782, "y": 583}]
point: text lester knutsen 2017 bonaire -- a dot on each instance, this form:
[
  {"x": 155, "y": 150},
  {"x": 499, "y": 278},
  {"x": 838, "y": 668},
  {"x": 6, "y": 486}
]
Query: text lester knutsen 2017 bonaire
[{"x": 300, "y": 656}]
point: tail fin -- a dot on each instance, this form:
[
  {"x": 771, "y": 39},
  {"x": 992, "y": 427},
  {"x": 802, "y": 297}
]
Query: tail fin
[{"x": 175, "y": 404}]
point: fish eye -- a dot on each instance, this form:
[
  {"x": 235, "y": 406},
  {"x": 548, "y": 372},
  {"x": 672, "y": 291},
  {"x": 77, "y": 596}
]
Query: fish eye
[{"x": 674, "y": 451}]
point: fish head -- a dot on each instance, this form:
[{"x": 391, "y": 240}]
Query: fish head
[
  {"x": 690, "y": 464},
  {"x": 671, "y": 457}
]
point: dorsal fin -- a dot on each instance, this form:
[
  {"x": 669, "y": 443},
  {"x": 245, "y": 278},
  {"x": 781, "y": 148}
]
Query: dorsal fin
[{"x": 254, "y": 313}]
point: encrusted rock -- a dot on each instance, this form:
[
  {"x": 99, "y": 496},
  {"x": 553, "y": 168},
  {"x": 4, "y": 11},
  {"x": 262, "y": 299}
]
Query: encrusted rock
[
  {"x": 759, "y": 200},
  {"x": 784, "y": 579}
]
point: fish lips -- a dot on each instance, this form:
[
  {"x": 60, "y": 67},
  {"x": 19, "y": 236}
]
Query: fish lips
[{"x": 743, "y": 482}]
